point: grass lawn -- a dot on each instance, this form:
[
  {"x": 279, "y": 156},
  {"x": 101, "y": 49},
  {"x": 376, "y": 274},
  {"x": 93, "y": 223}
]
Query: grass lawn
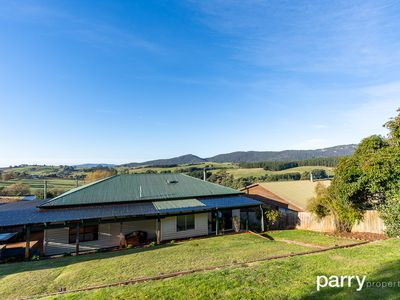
[
  {"x": 289, "y": 278},
  {"x": 37, "y": 277},
  {"x": 310, "y": 237}
]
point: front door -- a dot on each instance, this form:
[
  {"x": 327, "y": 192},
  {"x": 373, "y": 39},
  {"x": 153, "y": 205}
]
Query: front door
[{"x": 225, "y": 220}]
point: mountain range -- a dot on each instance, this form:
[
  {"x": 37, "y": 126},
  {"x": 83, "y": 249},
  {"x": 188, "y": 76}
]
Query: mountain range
[{"x": 252, "y": 156}]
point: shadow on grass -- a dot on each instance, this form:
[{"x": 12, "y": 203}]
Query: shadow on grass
[
  {"x": 372, "y": 289},
  {"x": 19, "y": 267},
  {"x": 268, "y": 236}
]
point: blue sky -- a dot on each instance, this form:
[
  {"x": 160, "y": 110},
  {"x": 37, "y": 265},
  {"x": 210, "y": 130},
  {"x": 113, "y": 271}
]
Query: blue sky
[{"x": 123, "y": 81}]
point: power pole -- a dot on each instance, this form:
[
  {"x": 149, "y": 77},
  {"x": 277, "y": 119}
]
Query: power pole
[{"x": 45, "y": 190}]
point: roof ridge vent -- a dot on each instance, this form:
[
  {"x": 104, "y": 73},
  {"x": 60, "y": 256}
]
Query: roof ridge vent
[{"x": 172, "y": 181}]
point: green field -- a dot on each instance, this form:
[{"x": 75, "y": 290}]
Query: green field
[
  {"x": 288, "y": 278},
  {"x": 218, "y": 166},
  {"x": 36, "y": 184},
  {"x": 245, "y": 172},
  {"x": 42, "y": 170},
  {"x": 257, "y": 172},
  {"x": 66, "y": 184}
]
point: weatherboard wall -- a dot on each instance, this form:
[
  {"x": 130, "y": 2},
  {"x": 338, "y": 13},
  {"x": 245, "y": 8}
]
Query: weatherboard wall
[{"x": 169, "y": 232}]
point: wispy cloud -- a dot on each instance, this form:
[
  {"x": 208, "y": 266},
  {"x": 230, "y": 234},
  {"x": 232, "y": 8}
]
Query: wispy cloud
[
  {"x": 350, "y": 36},
  {"x": 379, "y": 104},
  {"x": 93, "y": 32}
]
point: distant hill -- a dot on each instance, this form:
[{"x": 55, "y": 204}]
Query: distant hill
[
  {"x": 286, "y": 155},
  {"x": 253, "y": 156},
  {"x": 94, "y": 165},
  {"x": 184, "y": 159}
]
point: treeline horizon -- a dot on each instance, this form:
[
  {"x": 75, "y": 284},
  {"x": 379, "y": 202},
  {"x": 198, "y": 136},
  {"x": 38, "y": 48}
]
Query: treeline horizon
[{"x": 284, "y": 165}]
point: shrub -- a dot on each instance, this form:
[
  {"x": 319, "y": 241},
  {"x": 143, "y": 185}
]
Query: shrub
[
  {"x": 390, "y": 213},
  {"x": 271, "y": 216},
  {"x": 16, "y": 189},
  {"x": 326, "y": 202}
]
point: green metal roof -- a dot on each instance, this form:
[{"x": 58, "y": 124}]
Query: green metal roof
[
  {"x": 172, "y": 204},
  {"x": 139, "y": 187}
]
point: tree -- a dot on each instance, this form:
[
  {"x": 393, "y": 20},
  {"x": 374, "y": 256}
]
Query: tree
[
  {"x": 319, "y": 174},
  {"x": 305, "y": 175},
  {"x": 199, "y": 174},
  {"x": 393, "y": 125},
  {"x": 17, "y": 189},
  {"x": 222, "y": 177},
  {"x": 100, "y": 174},
  {"x": 51, "y": 193},
  {"x": 6, "y": 176},
  {"x": 370, "y": 178}
]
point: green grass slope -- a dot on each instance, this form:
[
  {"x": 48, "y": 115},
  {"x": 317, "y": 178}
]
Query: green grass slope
[
  {"x": 37, "y": 277},
  {"x": 290, "y": 278},
  {"x": 310, "y": 237}
]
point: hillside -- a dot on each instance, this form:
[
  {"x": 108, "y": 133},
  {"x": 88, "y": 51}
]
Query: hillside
[
  {"x": 286, "y": 155},
  {"x": 180, "y": 160},
  {"x": 252, "y": 156}
]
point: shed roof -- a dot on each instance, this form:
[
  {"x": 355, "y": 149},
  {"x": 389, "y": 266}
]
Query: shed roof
[
  {"x": 139, "y": 187},
  {"x": 6, "y": 236},
  {"x": 297, "y": 192}
]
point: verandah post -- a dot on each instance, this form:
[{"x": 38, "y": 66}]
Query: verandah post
[
  {"x": 216, "y": 222},
  {"x": 247, "y": 220},
  {"x": 27, "y": 241},
  {"x": 158, "y": 230},
  {"x": 77, "y": 239},
  {"x": 262, "y": 218}
]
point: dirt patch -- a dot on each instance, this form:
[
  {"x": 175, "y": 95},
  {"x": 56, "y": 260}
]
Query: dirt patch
[{"x": 363, "y": 236}]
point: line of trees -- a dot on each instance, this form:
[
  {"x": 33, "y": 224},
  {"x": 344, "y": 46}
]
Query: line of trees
[{"x": 284, "y": 165}]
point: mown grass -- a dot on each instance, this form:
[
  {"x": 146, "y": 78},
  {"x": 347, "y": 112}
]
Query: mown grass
[
  {"x": 310, "y": 237},
  {"x": 289, "y": 278},
  {"x": 37, "y": 277}
]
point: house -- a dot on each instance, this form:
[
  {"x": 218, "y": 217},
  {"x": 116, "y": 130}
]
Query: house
[
  {"x": 289, "y": 197},
  {"x": 109, "y": 212}
]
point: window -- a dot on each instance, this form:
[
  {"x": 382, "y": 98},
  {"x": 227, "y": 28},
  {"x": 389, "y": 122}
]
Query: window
[
  {"x": 86, "y": 234},
  {"x": 184, "y": 223}
]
